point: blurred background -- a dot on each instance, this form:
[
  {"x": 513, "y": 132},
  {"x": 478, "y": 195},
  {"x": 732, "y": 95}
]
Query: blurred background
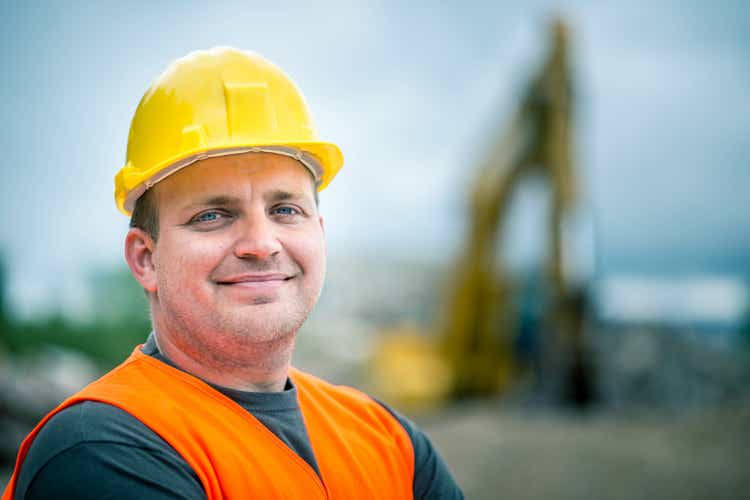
[{"x": 538, "y": 246}]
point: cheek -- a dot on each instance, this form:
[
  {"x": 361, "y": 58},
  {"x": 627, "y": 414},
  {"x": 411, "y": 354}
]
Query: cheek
[
  {"x": 311, "y": 254},
  {"x": 202, "y": 253},
  {"x": 187, "y": 263}
]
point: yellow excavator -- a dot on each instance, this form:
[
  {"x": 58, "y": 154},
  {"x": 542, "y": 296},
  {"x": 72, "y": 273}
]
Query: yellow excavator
[{"x": 472, "y": 354}]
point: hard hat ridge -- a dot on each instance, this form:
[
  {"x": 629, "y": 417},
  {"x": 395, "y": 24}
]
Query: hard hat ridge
[{"x": 217, "y": 102}]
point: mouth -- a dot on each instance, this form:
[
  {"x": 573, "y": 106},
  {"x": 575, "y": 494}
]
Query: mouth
[
  {"x": 255, "y": 278},
  {"x": 255, "y": 286}
]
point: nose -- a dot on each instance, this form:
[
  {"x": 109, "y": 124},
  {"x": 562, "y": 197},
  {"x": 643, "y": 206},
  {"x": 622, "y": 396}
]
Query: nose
[{"x": 257, "y": 238}]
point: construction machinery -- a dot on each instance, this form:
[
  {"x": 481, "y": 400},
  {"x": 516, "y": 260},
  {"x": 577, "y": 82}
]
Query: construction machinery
[{"x": 473, "y": 352}]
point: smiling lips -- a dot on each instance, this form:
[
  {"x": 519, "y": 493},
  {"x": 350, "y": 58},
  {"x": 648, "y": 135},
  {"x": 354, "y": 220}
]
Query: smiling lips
[
  {"x": 253, "y": 278},
  {"x": 259, "y": 282}
]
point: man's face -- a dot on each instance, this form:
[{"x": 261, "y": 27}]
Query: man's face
[{"x": 240, "y": 257}]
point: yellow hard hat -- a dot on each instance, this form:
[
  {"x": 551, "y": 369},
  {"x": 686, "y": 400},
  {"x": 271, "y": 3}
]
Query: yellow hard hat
[{"x": 217, "y": 102}]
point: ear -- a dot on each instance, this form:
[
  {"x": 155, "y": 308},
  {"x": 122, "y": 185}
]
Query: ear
[{"x": 139, "y": 254}]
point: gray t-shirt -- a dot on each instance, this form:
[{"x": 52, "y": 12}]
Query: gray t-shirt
[{"x": 95, "y": 450}]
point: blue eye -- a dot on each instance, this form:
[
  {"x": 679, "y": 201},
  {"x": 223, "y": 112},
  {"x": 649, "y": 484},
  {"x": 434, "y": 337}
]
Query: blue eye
[
  {"x": 208, "y": 217},
  {"x": 285, "y": 210}
]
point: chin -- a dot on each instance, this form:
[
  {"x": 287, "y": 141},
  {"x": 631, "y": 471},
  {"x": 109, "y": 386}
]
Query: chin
[{"x": 262, "y": 322}]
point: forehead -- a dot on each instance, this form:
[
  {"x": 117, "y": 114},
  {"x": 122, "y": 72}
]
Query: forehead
[{"x": 240, "y": 175}]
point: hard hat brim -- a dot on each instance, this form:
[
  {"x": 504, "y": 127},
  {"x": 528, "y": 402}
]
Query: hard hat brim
[{"x": 135, "y": 182}]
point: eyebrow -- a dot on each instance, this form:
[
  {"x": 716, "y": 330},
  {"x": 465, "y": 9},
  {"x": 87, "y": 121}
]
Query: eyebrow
[
  {"x": 219, "y": 200},
  {"x": 281, "y": 195}
]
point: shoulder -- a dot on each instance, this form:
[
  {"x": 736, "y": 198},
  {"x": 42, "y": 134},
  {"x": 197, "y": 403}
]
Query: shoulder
[
  {"x": 92, "y": 421},
  {"x": 307, "y": 383},
  {"x": 432, "y": 477},
  {"x": 92, "y": 439},
  {"x": 342, "y": 401}
]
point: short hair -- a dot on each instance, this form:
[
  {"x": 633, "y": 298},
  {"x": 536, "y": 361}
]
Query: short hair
[{"x": 146, "y": 212}]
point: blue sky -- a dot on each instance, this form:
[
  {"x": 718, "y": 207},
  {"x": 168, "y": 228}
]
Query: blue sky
[{"x": 412, "y": 96}]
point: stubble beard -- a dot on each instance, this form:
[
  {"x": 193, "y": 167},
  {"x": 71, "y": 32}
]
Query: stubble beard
[{"x": 237, "y": 340}]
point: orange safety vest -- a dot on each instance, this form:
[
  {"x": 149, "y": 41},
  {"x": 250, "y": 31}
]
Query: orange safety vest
[{"x": 361, "y": 449}]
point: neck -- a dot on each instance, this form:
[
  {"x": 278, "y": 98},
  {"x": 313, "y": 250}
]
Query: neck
[{"x": 262, "y": 367}]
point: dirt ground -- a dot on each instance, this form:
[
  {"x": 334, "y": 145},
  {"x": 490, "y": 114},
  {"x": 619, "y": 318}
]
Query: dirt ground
[{"x": 497, "y": 452}]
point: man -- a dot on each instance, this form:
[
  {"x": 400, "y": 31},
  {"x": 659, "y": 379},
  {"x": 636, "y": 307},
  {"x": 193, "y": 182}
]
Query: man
[{"x": 226, "y": 239}]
